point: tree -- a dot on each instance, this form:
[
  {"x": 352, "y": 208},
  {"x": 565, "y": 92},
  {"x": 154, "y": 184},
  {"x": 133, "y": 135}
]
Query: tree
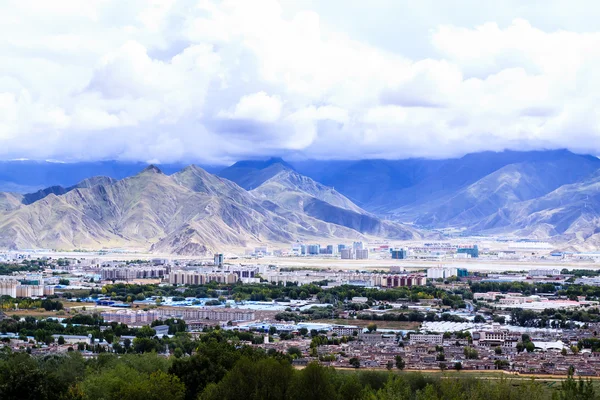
[
  {"x": 267, "y": 379},
  {"x": 443, "y": 366},
  {"x": 145, "y": 332},
  {"x": 61, "y": 340},
  {"x": 498, "y": 350},
  {"x": 371, "y": 327},
  {"x": 313, "y": 382},
  {"x": 458, "y": 366},
  {"x": 355, "y": 362},
  {"x": 21, "y": 378},
  {"x": 479, "y": 319},
  {"x": 125, "y": 382},
  {"x": 389, "y": 365},
  {"x": 272, "y": 330},
  {"x": 294, "y": 352},
  {"x": 303, "y": 331},
  {"x": 530, "y": 347},
  {"x": 470, "y": 353},
  {"x": 563, "y": 352},
  {"x": 572, "y": 389},
  {"x": 520, "y": 347},
  {"x": 400, "y": 363}
]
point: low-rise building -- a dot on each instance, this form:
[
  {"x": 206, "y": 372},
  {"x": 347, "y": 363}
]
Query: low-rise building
[{"x": 416, "y": 338}]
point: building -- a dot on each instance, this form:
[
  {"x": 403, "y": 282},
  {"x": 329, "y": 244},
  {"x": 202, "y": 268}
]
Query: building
[
  {"x": 211, "y": 314},
  {"x": 543, "y": 272},
  {"x": 130, "y": 317},
  {"x": 376, "y": 338},
  {"x": 314, "y": 249},
  {"x": 340, "y": 247},
  {"x": 8, "y": 288},
  {"x": 261, "y": 251},
  {"x": 494, "y": 338},
  {"x": 75, "y": 339},
  {"x": 437, "y": 340},
  {"x": 242, "y": 272},
  {"x": 399, "y": 254},
  {"x": 441, "y": 272},
  {"x": 473, "y": 251},
  {"x": 360, "y": 299},
  {"x": 462, "y": 272},
  {"x": 218, "y": 259},
  {"x": 362, "y": 254},
  {"x": 14, "y": 288},
  {"x": 201, "y": 278},
  {"x": 345, "y": 330},
  {"x": 347, "y": 254},
  {"x": 392, "y": 281},
  {"x": 130, "y": 273},
  {"x": 30, "y": 291},
  {"x": 331, "y": 249}
]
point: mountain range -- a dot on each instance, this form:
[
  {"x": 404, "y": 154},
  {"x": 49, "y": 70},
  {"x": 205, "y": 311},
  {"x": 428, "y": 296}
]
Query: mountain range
[
  {"x": 550, "y": 195},
  {"x": 190, "y": 212}
]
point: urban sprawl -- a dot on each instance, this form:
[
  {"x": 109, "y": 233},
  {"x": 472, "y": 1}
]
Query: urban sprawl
[{"x": 540, "y": 316}]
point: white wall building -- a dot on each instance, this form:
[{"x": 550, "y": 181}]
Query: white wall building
[
  {"x": 428, "y": 339},
  {"x": 441, "y": 272}
]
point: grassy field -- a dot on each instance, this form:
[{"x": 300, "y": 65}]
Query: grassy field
[
  {"x": 549, "y": 383},
  {"x": 404, "y": 325}
]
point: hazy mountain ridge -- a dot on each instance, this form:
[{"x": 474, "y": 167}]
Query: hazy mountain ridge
[
  {"x": 508, "y": 185},
  {"x": 487, "y": 192},
  {"x": 189, "y": 212},
  {"x": 543, "y": 194},
  {"x": 571, "y": 212},
  {"x": 281, "y": 184},
  {"x": 252, "y": 174}
]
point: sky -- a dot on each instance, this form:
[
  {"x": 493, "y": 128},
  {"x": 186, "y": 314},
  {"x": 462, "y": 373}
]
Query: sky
[{"x": 219, "y": 81}]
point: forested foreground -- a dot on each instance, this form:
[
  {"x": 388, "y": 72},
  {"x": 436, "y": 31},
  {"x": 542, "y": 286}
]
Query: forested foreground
[{"x": 221, "y": 371}]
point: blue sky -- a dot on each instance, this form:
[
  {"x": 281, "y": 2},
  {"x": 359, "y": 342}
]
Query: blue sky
[{"x": 215, "y": 82}]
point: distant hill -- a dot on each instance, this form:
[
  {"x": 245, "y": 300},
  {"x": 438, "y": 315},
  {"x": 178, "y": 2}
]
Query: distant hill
[
  {"x": 529, "y": 193},
  {"x": 251, "y": 174},
  {"x": 190, "y": 212},
  {"x": 296, "y": 192},
  {"x": 571, "y": 212},
  {"x": 485, "y": 192}
]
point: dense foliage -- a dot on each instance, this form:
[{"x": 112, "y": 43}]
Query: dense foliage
[
  {"x": 262, "y": 292},
  {"x": 24, "y": 266},
  {"x": 221, "y": 371}
]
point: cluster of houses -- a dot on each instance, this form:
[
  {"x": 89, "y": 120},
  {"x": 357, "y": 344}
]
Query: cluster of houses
[{"x": 493, "y": 349}]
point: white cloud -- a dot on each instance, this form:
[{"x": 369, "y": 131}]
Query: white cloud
[
  {"x": 214, "y": 80},
  {"x": 257, "y": 106}
]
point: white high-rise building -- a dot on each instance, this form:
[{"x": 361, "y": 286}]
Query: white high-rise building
[{"x": 441, "y": 272}]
